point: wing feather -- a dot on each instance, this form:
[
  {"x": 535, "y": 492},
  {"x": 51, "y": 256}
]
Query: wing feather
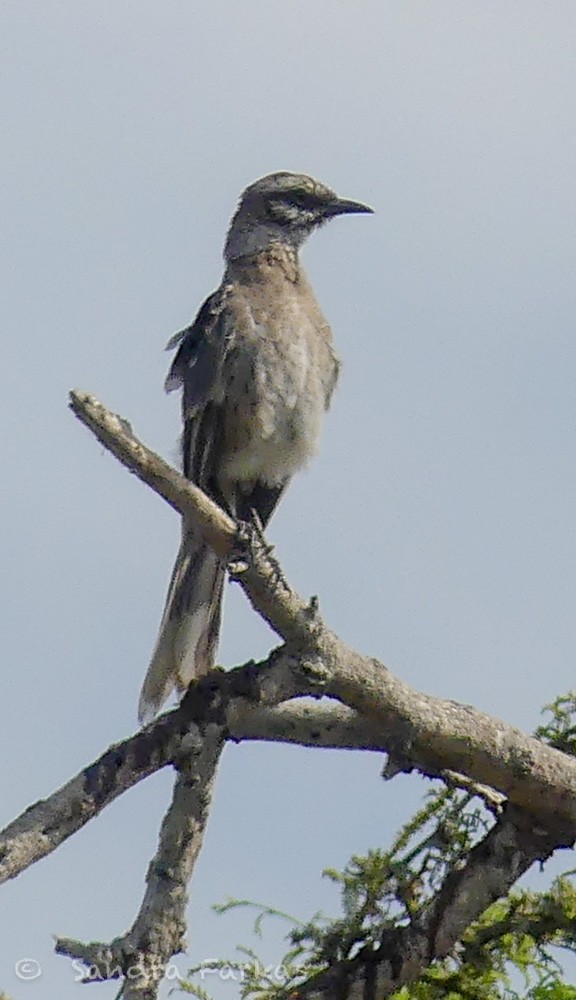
[{"x": 197, "y": 369}]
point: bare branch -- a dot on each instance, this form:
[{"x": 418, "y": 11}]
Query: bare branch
[
  {"x": 116, "y": 435},
  {"x": 531, "y": 768},
  {"x": 435, "y": 735},
  {"x": 431, "y": 734},
  {"x": 377, "y": 711},
  {"x": 491, "y": 799},
  {"x": 45, "y": 825},
  {"x": 328, "y": 725},
  {"x": 159, "y": 931},
  {"x": 257, "y": 572}
]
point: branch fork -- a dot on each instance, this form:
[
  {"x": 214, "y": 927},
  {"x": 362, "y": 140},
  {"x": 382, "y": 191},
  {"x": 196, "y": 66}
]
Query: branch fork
[{"x": 530, "y": 787}]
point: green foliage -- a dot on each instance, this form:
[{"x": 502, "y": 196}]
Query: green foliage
[
  {"x": 516, "y": 940},
  {"x": 560, "y": 730}
]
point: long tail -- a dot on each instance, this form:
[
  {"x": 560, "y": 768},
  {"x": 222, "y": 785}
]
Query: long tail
[{"x": 188, "y": 636}]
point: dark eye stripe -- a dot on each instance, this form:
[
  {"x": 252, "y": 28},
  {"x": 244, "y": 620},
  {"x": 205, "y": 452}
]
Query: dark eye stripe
[{"x": 304, "y": 198}]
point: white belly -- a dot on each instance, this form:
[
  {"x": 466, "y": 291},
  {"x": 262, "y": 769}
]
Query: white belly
[{"x": 285, "y": 404}]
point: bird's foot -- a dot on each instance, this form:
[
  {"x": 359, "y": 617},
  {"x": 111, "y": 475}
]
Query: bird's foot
[{"x": 253, "y": 546}]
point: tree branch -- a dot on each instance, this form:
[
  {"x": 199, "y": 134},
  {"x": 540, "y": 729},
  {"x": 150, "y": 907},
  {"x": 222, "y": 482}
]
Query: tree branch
[
  {"x": 42, "y": 827},
  {"x": 45, "y": 825},
  {"x": 404, "y": 953},
  {"x": 159, "y": 931},
  {"x": 377, "y": 711},
  {"x": 429, "y": 733},
  {"x": 330, "y": 726},
  {"x": 249, "y": 558}
]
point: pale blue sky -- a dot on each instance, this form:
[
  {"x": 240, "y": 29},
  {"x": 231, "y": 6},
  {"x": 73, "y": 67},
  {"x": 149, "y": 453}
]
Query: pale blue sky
[{"x": 437, "y": 525}]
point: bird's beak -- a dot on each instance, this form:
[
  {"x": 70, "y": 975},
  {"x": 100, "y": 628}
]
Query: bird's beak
[{"x": 342, "y": 206}]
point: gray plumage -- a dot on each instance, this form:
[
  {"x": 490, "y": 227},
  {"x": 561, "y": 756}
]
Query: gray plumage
[{"x": 257, "y": 369}]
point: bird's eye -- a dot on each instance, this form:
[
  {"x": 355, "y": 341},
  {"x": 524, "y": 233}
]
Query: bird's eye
[{"x": 301, "y": 198}]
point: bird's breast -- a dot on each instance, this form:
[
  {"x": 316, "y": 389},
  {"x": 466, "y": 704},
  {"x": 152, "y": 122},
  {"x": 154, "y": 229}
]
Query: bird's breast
[{"x": 281, "y": 373}]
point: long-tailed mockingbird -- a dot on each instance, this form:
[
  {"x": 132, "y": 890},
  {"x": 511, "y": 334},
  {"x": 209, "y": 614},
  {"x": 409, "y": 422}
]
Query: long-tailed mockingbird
[{"x": 257, "y": 369}]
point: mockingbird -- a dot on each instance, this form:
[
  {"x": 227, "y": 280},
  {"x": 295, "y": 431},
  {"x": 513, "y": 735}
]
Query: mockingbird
[{"x": 257, "y": 369}]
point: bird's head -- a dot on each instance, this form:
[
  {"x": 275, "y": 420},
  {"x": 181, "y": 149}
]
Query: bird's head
[{"x": 283, "y": 208}]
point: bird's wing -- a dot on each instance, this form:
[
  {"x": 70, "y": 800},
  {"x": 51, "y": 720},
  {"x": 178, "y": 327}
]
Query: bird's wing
[
  {"x": 199, "y": 345},
  {"x": 198, "y": 369},
  {"x": 209, "y": 359},
  {"x": 188, "y": 635}
]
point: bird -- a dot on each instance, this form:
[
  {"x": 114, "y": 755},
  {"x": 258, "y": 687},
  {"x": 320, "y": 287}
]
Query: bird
[{"x": 257, "y": 370}]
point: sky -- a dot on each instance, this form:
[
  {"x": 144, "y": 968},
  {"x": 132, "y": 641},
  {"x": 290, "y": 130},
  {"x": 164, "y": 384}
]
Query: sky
[{"x": 437, "y": 523}]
